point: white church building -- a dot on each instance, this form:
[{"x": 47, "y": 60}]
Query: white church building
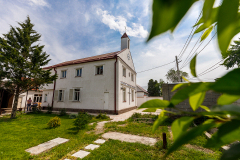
[{"x": 102, "y": 83}]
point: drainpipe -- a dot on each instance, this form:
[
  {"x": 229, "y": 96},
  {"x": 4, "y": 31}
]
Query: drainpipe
[
  {"x": 54, "y": 87},
  {"x": 115, "y": 86}
]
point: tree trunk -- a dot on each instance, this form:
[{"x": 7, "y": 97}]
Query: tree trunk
[{"x": 14, "y": 109}]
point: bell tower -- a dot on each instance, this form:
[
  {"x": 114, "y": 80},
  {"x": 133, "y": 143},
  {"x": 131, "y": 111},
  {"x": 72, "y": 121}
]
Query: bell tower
[{"x": 125, "y": 41}]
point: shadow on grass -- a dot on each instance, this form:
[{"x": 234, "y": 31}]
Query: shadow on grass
[{"x": 73, "y": 130}]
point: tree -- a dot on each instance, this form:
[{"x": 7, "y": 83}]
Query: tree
[
  {"x": 153, "y": 88},
  {"x": 161, "y": 82},
  {"x": 172, "y": 75},
  {"x": 21, "y": 61},
  {"x": 233, "y": 56}
]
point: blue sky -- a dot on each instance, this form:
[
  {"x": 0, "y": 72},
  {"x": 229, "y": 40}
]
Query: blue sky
[{"x": 73, "y": 29}]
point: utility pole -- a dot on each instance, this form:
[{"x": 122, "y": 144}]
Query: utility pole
[{"x": 178, "y": 72}]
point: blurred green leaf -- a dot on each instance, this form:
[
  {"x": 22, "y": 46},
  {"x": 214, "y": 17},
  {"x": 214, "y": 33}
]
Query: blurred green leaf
[
  {"x": 196, "y": 100},
  {"x": 227, "y": 133},
  {"x": 227, "y": 99},
  {"x": 156, "y": 103},
  {"x": 193, "y": 66},
  {"x": 177, "y": 86},
  {"x": 231, "y": 153},
  {"x": 159, "y": 121},
  {"x": 180, "y": 125},
  {"x": 206, "y": 33},
  {"x": 229, "y": 83},
  {"x": 167, "y": 15},
  {"x": 189, "y": 135},
  {"x": 207, "y": 9},
  {"x": 227, "y": 23},
  {"x": 205, "y": 108},
  {"x": 185, "y": 79},
  {"x": 190, "y": 90},
  {"x": 226, "y": 109}
]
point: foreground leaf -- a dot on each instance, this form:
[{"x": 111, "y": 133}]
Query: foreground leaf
[
  {"x": 159, "y": 121},
  {"x": 177, "y": 86},
  {"x": 196, "y": 100},
  {"x": 227, "y": 99},
  {"x": 189, "y": 135},
  {"x": 180, "y": 125},
  {"x": 227, "y": 133},
  {"x": 207, "y": 9},
  {"x": 205, "y": 108},
  {"x": 206, "y": 33},
  {"x": 167, "y": 15},
  {"x": 232, "y": 153},
  {"x": 190, "y": 90},
  {"x": 156, "y": 103},
  {"x": 229, "y": 83},
  {"x": 193, "y": 66}
]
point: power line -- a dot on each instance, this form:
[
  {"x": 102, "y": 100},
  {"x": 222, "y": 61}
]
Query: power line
[
  {"x": 183, "y": 50},
  {"x": 202, "y": 73},
  {"x": 155, "y": 67},
  {"x": 201, "y": 50},
  {"x": 209, "y": 71}
]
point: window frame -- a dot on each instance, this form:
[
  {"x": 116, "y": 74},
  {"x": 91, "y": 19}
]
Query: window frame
[
  {"x": 62, "y": 76},
  {"x": 79, "y": 92},
  {"x": 80, "y": 72},
  {"x": 45, "y": 97},
  {"x": 37, "y": 98},
  {"x": 124, "y": 95},
  {"x": 132, "y": 77},
  {"x": 124, "y": 72},
  {"x": 133, "y": 95},
  {"x": 96, "y": 69},
  {"x": 62, "y": 95}
]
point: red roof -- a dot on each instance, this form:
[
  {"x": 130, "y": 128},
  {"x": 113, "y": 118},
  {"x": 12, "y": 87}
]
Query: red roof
[
  {"x": 88, "y": 59},
  {"x": 124, "y": 35},
  {"x": 141, "y": 89}
]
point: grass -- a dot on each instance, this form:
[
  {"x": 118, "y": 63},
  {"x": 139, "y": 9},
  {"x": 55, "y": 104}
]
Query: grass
[
  {"x": 150, "y": 110},
  {"x": 29, "y": 130}
]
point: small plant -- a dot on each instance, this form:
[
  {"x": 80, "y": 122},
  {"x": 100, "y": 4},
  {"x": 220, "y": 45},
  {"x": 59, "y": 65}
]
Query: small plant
[
  {"x": 72, "y": 116},
  {"x": 63, "y": 112},
  {"x": 102, "y": 116},
  {"x": 49, "y": 109},
  {"x": 54, "y": 122},
  {"x": 82, "y": 120}
]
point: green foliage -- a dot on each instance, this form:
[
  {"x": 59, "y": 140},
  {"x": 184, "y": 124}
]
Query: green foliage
[
  {"x": 82, "y": 120},
  {"x": 54, "y": 122},
  {"x": 172, "y": 75},
  {"x": 22, "y": 59},
  {"x": 161, "y": 82},
  {"x": 153, "y": 88},
  {"x": 193, "y": 66},
  {"x": 102, "y": 116},
  {"x": 63, "y": 112},
  {"x": 233, "y": 56},
  {"x": 72, "y": 116},
  {"x": 150, "y": 110},
  {"x": 156, "y": 103}
]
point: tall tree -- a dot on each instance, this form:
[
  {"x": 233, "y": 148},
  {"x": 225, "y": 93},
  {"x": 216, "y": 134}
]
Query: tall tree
[
  {"x": 232, "y": 56},
  {"x": 21, "y": 61},
  {"x": 172, "y": 75},
  {"x": 161, "y": 82},
  {"x": 153, "y": 88}
]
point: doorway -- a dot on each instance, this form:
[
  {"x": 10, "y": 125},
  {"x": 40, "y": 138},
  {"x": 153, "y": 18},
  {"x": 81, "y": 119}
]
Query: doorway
[{"x": 105, "y": 100}]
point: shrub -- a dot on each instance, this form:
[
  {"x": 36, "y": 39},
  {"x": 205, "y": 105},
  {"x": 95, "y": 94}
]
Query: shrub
[
  {"x": 82, "y": 120},
  {"x": 72, "y": 116},
  {"x": 49, "y": 109},
  {"x": 54, "y": 122},
  {"x": 102, "y": 116},
  {"x": 63, "y": 112}
]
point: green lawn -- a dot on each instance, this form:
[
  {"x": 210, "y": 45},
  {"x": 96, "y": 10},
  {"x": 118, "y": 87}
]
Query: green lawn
[
  {"x": 29, "y": 130},
  {"x": 150, "y": 110}
]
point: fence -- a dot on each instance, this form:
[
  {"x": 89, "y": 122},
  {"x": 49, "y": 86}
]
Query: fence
[{"x": 141, "y": 100}]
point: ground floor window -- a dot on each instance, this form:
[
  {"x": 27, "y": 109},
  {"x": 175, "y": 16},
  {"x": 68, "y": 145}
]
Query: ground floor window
[
  {"x": 37, "y": 98},
  {"x": 45, "y": 98},
  {"x": 61, "y": 95},
  {"x": 76, "y": 95},
  {"x": 124, "y": 94},
  {"x": 132, "y": 95}
]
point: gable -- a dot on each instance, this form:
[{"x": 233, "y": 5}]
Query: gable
[{"x": 124, "y": 56}]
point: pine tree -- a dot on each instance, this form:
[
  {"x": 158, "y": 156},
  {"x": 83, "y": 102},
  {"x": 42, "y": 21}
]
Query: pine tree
[
  {"x": 153, "y": 88},
  {"x": 21, "y": 61}
]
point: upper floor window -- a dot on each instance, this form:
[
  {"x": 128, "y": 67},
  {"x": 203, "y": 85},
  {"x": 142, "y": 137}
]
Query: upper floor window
[
  {"x": 124, "y": 72},
  {"x": 99, "y": 70},
  {"x": 79, "y": 72},
  {"x": 132, "y": 77},
  {"x": 63, "y": 74}
]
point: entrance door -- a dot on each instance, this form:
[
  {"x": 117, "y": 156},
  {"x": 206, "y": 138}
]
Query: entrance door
[
  {"x": 19, "y": 103},
  {"x": 106, "y": 101}
]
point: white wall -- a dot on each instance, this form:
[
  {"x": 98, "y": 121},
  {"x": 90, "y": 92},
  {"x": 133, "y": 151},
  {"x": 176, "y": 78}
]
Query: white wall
[
  {"x": 29, "y": 95},
  {"x": 140, "y": 94}
]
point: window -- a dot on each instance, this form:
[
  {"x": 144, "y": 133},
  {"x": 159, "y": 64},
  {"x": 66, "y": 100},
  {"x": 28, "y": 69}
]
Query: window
[
  {"x": 60, "y": 95},
  {"x": 99, "y": 70},
  {"x": 79, "y": 72},
  {"x": 63, "y": 74},
  {"x": 132, "y": 95},
  {"x": 37, "y": 98},
  {"x": 76, "y": 95},
  {"x": 124, "y": 94},
  {"x": 124, "y": 72},
  {"x": 132, "y": 77},
  {"x": 45, "y": 98},
  {"x": 128, "y": 44}
]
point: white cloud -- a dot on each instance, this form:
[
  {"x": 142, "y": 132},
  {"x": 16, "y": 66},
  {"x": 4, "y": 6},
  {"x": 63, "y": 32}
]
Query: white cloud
[
  {"x": 38, "y": 2},
  {"x": 119, "y": 23},
  {"x": 148, "y": 54}
]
